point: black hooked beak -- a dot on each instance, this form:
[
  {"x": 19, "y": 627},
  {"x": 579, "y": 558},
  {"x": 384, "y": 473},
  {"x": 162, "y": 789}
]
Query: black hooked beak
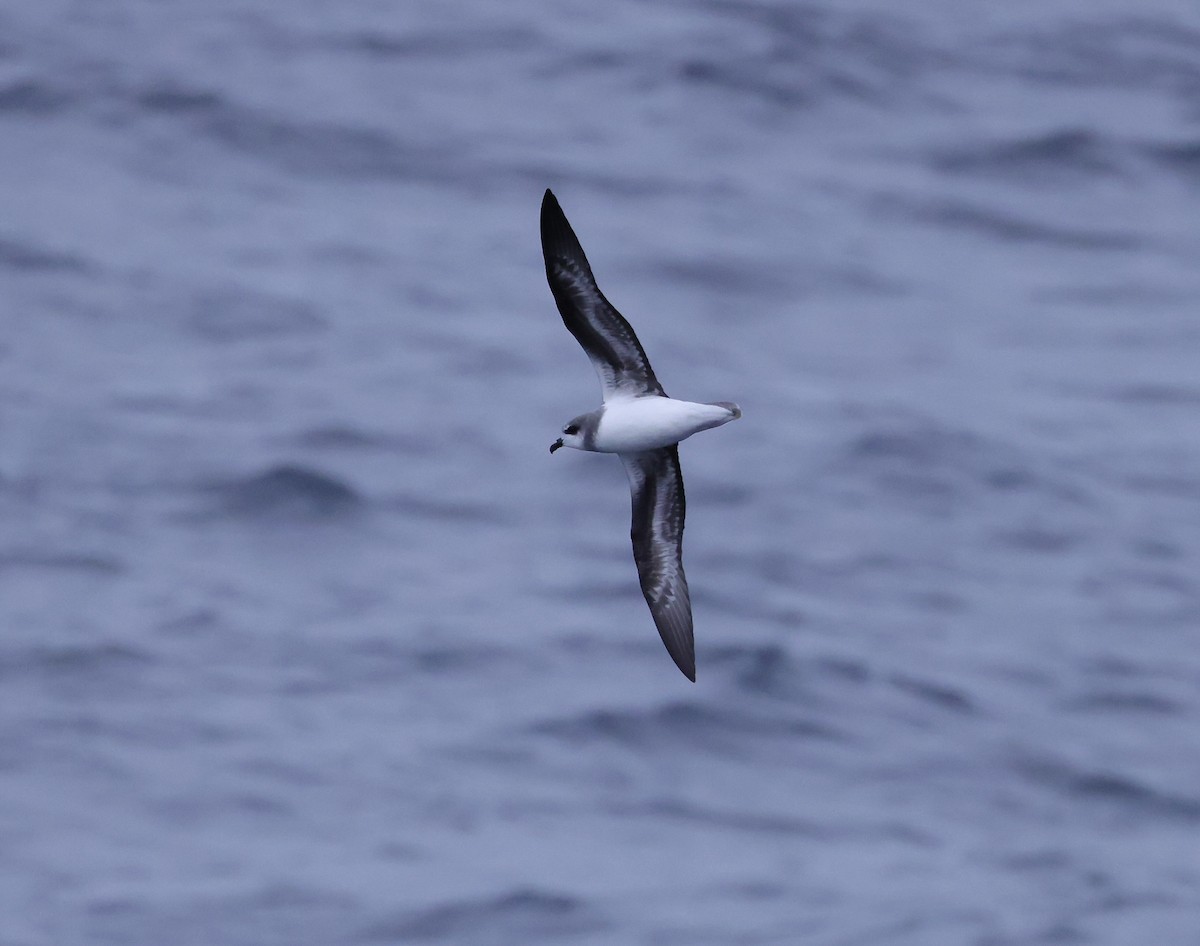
[{"x": 554, "y": 446}]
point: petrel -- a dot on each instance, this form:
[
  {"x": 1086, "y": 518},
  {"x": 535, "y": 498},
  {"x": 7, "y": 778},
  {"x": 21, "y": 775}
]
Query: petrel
[{"x": 639, "y": 423}]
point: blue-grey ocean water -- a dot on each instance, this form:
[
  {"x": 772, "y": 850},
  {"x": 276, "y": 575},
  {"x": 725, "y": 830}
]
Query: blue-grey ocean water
[{"x": 305, "y": 638}]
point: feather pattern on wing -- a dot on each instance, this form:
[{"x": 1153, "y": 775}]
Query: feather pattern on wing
[
  {"x": 608, "y": 339},
  {"x": 659, "y": 507}
]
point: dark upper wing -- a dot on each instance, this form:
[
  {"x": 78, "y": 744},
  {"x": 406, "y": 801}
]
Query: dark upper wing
[
  {"x": 658, "y": 511},
  {"x": 604, "y": 334}
]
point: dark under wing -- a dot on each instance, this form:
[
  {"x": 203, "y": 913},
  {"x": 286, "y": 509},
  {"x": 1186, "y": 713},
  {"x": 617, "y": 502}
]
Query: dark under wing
[
  {"x": 607, "y": 338},
  {"x": 659, "y": 506}
]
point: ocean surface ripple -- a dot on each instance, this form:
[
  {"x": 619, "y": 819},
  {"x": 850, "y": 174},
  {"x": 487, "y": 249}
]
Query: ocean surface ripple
[{"x": 304, "y": 639}]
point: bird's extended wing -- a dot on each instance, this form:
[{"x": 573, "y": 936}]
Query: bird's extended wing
[
  {"x": 656, "y": 482},
  {"x": 608, "y": 339}
]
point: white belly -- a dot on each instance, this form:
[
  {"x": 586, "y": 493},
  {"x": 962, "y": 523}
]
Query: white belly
[{"x": 648, "y": 423}]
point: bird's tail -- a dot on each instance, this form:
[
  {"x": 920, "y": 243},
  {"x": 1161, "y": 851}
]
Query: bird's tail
[{"x": 729, "y": 406}]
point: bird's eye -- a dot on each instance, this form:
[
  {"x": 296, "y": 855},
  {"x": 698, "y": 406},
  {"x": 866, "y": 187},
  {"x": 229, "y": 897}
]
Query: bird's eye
[{"x": 571, "y": 429}]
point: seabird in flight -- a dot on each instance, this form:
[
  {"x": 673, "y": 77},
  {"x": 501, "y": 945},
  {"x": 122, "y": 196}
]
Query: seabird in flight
[{"x": 639, "y": 423}]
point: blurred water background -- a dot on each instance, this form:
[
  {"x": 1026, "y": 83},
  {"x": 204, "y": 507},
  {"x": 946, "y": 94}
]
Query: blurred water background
[{"x": 306, "y": 639}]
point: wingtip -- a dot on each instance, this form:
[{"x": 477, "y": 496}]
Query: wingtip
[
  {"x": 687, "y": 668},
  {"x": 687, "y": 664},
  {"x": 558, "y": 239},
  {"x": 550, "y": 205},
  {"x": 683, "y": 653}
]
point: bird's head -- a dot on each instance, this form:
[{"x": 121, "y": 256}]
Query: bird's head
[{"x": 572, "y": 435}]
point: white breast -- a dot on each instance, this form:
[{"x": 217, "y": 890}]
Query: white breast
[{"x": 630, "y": 425}]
